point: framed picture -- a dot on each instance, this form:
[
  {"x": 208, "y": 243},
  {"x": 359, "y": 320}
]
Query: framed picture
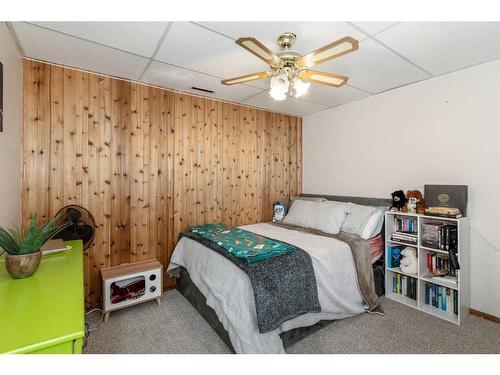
[{"x": 1, "y": 97}]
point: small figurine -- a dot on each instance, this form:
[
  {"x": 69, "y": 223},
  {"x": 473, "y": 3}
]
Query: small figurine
[
  {"x": 279, "y": 210},
  {"x": 398, "y": 200},
  {"x": 411, "y": 206},
  {"x": 415, "y": 202},
  {"x": 409, "y": 262}
]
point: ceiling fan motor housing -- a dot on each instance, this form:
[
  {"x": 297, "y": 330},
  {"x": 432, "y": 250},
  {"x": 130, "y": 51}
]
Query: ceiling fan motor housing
[{"x": 286, "y": 39}]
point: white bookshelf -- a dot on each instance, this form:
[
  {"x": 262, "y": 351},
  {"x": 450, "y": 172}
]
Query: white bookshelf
[{"x": 463, "y": 276}]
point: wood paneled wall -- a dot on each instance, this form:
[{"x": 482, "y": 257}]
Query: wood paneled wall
[{"x": 148, "y": 162}]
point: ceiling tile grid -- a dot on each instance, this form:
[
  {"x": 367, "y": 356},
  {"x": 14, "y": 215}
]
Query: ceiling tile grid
[
  {"x": 197, "y": 48},
  {"x": 180, "y": 55},
  {"x": 310, "y": 35},
  {"x": 442, "y": 47},
  {"x": 374, "y": 68},
  {"x": 42, "y": 44},
  {"x": 140, "y": 38},
  {"x": 373, "y": 28}
]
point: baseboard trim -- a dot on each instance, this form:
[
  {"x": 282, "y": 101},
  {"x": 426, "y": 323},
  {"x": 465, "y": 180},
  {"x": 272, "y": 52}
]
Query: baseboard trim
[{"x": 484, "y": 315}]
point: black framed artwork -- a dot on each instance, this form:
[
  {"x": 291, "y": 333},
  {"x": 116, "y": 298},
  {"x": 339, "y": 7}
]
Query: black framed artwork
[{"x": 1, "y": 97}]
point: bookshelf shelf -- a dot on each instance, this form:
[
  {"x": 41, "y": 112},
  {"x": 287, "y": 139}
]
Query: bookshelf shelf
[
  {"x": 401, "y": 243},
  {"x": 429, "y": 249},
  {"x": 402, "y": 299},
  {"x": 398, "y": 270},
  {"x": 440, "y": 283},
  {"x": 461, "y": 289},
  {"x": 440, "y": 313}
]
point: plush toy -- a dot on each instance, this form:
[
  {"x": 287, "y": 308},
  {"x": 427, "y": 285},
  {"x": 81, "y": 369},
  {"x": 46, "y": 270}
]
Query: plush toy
[
  {"x": 279, "y": 211},
  {"x": 398, "y": 200},
  {"x": 415, "y": 202},
  {"x": 408, "y": 263}
]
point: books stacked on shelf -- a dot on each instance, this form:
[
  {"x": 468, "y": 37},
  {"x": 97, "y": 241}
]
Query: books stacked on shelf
[
  {"x": 442, "y": 298},
  {"x": 404, "y": 285},
  {"x": 404, "y": 224},
  {"x": 394, "y": 256},
  {"x": 450, "y": 212},
  {"x": 406, "y": 237},
  {"x": 438, "y": 235},
  {"x": 439, "y": 265}
]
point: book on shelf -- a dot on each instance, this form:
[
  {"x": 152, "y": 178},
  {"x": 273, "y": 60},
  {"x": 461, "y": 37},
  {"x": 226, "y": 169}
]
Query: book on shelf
[
  {"x": 394, "y": 256},
  {"x": 449, "y": 212},
  {"x": 439, "y": 265},
  {"x": 405, "y": 224},
  {"x": 455, "y": 302},
  {"x": 404, "y": 285},
  {"x": 449, "y": 239},
  {"x": 440, "y": 236},
  {"x": 441, "y": 298},
  {"x": 411, "y": 238}
]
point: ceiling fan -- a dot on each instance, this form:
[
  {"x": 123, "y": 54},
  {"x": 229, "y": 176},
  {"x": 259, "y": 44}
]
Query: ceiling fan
[{"x": 289, "y": 70}]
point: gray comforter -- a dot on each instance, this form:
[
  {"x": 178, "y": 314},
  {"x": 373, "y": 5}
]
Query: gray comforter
[
  {"x": 284, "y": 287},
  {"x": 360, "y": 250}
]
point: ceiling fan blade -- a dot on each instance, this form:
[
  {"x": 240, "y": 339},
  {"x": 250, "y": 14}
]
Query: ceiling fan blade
[
  {"x": 328, "y": 79},
  {"x": 247, "y": 78},
  {"x": 255, "y": 47},
  {"x": 329, "y": 52}
]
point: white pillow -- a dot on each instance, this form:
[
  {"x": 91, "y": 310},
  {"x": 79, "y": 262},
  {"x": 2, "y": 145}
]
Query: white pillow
[
  {"x": 365, "y": 221},
  {"x": 296, "y": 214},
  {"x": 322, "y": 216}
]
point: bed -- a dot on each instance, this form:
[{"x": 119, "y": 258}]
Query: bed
[{"x": 222, "y": 293}]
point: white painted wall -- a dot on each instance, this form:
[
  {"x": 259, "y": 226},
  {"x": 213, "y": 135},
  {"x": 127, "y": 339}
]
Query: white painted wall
[
  {"x": 10, "y": 138},
  {"x": 441, "y": 131}
]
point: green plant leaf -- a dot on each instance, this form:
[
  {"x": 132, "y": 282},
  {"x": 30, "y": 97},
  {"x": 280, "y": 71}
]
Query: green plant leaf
[
  {"x": 16, "y": 235},
  {"x": 18, "y": 241},
  {"x": 8, "y": 243}
]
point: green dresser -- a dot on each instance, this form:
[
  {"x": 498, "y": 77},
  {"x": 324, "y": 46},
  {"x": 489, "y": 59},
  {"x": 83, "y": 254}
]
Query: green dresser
[{"x": 44, "y": 313}]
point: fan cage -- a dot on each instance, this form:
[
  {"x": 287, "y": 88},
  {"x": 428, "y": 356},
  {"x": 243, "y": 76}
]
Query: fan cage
[{"x": 86, "y": 218}]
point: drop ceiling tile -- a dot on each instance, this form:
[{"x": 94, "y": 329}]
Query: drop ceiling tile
[
  {"x": 331, "y": 96},
  {"x": 183, "y": 80},
  {"x": 374, "y": 68},
  {"x": 262, "y": 84},
  {"x": 292, "y": 106},
  {"x": 43, "y": 44},
  {"x": 310, "y": 35},
  {"x": 374, "y": 27},
  {"x": 191, "y": 46},
  {"x": 137, "y": 37},
  {"x": 441, "y": 47}
]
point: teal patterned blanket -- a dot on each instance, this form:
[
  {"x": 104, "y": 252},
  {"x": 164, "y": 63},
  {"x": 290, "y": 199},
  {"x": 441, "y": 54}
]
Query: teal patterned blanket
[
  {"x": 284, "y": 287},
  {"x": 241, "y": 243}
]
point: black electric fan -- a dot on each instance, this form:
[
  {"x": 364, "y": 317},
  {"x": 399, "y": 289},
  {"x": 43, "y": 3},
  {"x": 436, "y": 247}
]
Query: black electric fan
[{"x": 82, "y": 228}]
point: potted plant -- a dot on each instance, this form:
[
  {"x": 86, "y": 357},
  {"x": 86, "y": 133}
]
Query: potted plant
[{"x": 22, "y": 247}]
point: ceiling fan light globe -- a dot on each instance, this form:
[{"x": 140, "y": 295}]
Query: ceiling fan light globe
[
  {"x": 300, "y": 87},
  {"x": 277, "y": 95},
  {"x": 280, "y": 83}
]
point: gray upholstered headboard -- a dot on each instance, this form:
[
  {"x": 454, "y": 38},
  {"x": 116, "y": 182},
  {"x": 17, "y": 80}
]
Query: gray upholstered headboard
[{"x": 357, "y": 200}]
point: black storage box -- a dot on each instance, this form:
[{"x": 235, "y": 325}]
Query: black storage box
[{"x": 452, "y": 196}]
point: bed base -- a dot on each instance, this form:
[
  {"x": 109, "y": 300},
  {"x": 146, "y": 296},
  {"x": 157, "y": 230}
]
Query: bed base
[{"x": 190, "y": 291}]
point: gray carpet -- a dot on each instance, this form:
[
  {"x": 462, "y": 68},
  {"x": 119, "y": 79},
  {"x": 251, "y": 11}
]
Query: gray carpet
[{"x": 176, "y": 327}]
